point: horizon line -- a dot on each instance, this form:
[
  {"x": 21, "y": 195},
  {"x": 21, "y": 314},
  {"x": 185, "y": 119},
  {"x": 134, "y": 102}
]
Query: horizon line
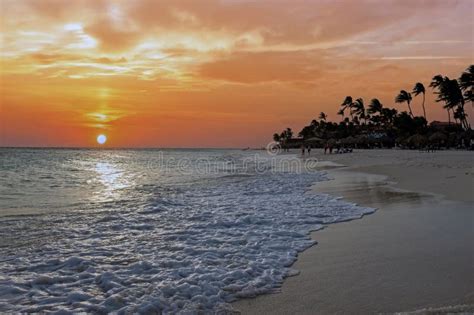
[{"x": 128, "y": 148}]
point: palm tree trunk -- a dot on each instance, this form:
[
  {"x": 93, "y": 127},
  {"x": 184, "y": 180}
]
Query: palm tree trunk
[
  {"x": 449, "y": 116},
  {"x": 464, "y": 122},
  {"x": 423, "y": 104},
  {"x": 464, "y": 118},
  {"x": 409, "y": 108}
]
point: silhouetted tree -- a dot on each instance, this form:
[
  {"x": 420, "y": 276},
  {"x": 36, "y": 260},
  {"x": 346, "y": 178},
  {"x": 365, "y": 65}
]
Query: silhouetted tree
[
  {"x": 347, "y": 104},
  {"x": 358, "y": 108},
  {"x": 449, "y": 92},
  {"x": 375, "y": 107},
  {"x": 389, "y": 114},
  {"x": 403, "y": 97},
  {"x": 466, "y": 82},
  {"x": 341, "y": 113},
  {"x": 419, "y": 88},
  {"x": 436, "y": 83},
  {"x": 460, "y": 115},
  {"x": 306, "y": 132},
  {"x": 323, "y": 116}
]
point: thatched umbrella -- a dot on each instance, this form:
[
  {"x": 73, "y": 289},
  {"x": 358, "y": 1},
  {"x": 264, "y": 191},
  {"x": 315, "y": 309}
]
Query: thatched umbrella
[
  {"x": 349, "y": 140},
  {"x": 314, "y": 141},
  {"x": 438, "y": 138},
  {"x": 332, "y": 142},
  {"x": 418, "y": 141},
  {"x": 362, "y": 139}
]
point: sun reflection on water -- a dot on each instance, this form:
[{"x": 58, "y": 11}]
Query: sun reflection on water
[{"x": 113, "y": 179}]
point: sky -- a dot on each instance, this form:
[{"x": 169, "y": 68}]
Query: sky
[{"x": 214, "y": 73}]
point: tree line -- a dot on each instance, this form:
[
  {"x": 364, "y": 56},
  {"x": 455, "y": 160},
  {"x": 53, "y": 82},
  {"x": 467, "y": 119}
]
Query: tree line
[{"x": 376, "y": 121}]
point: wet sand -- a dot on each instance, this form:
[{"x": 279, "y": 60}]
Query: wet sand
[{"x": 415, "y": 252}]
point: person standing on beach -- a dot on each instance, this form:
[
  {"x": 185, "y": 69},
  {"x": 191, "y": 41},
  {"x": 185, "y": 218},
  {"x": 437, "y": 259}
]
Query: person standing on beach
[
  {"x": 309, "y": 150},
  {"x": 302, "y": 150}
]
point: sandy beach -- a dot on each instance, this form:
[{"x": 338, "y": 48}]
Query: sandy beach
[{"x": 415, "y": 253}]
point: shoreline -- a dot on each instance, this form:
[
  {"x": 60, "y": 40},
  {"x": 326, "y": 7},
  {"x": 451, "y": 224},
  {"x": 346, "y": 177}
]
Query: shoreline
[{"x": 412, "y": 254}]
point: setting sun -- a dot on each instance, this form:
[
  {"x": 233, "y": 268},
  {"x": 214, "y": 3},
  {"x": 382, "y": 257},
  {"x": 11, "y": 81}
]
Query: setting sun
[{"x": 101, "y": 139}]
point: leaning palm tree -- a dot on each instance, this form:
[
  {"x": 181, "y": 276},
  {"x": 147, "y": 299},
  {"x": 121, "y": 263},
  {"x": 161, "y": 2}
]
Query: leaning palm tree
[
  {"x": 375, "y": 107},
  {"x": 450, "y": 92},
  {"x": 358, "y": 108},
  {"x": 466, "y": 83},
  {"x": 403, "y": 97},
  {"x": 462, "y": 116},
  {"x": 323, "y": 116},
  {"x": 347, "y": 104},
  {"x": 419, "y": 88},
  {"x": 458, "y": 114},
  {"x": 437, "y": 83},
  {"x": 341, "y": 113}
]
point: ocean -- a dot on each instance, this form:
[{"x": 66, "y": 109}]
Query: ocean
[{"x": 166, "y": 231}]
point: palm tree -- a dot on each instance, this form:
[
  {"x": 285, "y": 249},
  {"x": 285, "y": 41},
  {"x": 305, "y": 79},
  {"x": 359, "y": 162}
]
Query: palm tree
[
  {"x": 466, "y": 82},
  {"x": 341, "y": 112},
  {"x": 358, "y": 108},
  {"x": 436, "y": 83},
  {"x": 306, "y": 132},
  {"x": 417, "y": 89},
  {"x": 347, "y": 104},
  {"x": 388, "y": 115},
  {"x": 323, "y": 116},
  {"x": 462, "y": 116},
  {"x": 437, "y": 80},
  {"x": 450, "y": 92},
  {"x": 403, "y": 97},
  {"x": 375, "y": 107}
]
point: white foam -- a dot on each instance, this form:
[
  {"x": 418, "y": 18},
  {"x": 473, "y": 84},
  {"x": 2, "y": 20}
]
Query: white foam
[{"x": 197, "y": 249}]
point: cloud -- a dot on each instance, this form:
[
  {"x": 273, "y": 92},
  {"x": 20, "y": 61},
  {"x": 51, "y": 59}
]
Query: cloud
[
  {"x": 263, "y": 67},
  {"x": 421, "y": 57},
  {"x": 112, "y": 37}
]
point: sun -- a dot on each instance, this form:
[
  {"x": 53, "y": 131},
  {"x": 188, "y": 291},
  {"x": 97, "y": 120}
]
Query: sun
[{"x": 101, "y": 139}]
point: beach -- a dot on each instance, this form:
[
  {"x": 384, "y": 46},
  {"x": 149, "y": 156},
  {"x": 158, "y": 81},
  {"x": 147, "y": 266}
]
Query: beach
[{"x": 414, "y": 254}]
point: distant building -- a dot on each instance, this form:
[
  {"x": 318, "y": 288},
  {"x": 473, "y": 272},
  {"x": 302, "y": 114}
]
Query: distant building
[
  {"x": 293, "y": 142},
  {"x": 441, "y": 125}
]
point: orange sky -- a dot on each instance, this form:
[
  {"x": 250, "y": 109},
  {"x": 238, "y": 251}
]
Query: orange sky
[{"x": 209, "y": 73}]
